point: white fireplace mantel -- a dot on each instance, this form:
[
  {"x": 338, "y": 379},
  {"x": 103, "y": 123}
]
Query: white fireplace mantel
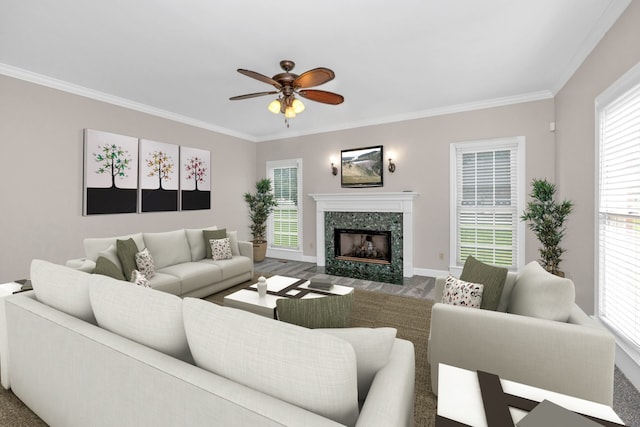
[{"x": 367, "y": 202}]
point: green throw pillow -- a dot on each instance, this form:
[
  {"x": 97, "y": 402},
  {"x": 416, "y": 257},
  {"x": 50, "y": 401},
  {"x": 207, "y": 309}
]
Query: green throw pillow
[
  {"x": 326, "y": 312},
  {"x": 127, "y": 250},
  {"x": 490, "y": 276},
  {"x": 215, "y": 235},
  {"x": 107, "y": 268}
]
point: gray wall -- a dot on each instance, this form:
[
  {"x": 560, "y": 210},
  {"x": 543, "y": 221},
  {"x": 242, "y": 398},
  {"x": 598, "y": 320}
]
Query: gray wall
[
  {"x": 41, "y": 175},
  {"x": 618, "y": 52},
  {"x": 422, "y": 160}
]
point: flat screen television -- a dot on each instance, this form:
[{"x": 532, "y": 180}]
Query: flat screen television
[{"x": 361, "y": 167}]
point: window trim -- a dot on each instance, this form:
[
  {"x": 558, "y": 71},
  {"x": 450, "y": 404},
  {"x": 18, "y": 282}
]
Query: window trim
[
  {"x": 617, "y": 89},
  {"x": 286, "y": 253},
  {"x": 492, "y": 144}
]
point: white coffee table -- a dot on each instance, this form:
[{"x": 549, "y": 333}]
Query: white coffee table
[
  {"x": 249, "y": 300},
  {"x": 460, "y": 399}
]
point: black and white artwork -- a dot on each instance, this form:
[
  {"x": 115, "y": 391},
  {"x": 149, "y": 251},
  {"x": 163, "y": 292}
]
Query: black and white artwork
[
  {"x": 159, "y": 176},
  {"x": 195, "y": 178},
  {"x": 110, "y": 173}
]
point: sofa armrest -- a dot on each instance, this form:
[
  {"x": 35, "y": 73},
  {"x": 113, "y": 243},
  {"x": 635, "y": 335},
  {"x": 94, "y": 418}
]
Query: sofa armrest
[
  {"x": 246, "y": 249},
  {"x": 390, "y": 399},
  {"x": 82, "y": 264},
  {"x": 563, "y": 357}
]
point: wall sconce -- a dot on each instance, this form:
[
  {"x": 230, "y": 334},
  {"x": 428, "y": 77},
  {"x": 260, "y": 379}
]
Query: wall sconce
[
  {"x": 334, "y": 169},
  {"x": 392, "y": 166}
]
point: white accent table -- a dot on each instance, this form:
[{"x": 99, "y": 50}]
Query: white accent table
[
  {"x": 460, "y": 399},
  {"x": 6, "y": 289},
  {"x": 249, "y": 300}
]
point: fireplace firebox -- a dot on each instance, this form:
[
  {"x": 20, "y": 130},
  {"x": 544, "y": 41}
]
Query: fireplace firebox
[{"x": 372, "y": 246}]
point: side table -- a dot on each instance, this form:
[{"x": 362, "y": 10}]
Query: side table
[{"x": 6, "y": 289}]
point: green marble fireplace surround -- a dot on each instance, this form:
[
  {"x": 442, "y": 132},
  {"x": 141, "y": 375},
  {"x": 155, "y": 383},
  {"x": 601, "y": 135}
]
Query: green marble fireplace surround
[
  {"x": 362, "y": 212},
  {"x": 373, "y": 221}
]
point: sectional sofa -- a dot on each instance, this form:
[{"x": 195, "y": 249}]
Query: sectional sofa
[
  {"x": 181, "y": 265},
  {"x": 86, "y": 349}
]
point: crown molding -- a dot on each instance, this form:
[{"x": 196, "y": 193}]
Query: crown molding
[
  {"x": 608, "y": 18},
  {"x": 61, "y": 85},
  {"x": 459, "y": 108}
]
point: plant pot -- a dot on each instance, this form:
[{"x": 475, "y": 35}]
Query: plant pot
[{"x": 259, "y": 251}]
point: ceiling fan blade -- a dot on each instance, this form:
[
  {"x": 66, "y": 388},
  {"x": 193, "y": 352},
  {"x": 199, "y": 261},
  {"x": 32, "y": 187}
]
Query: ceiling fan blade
[
  {"x": 260, "y": 77},
  {"x": 253, "y": 95},
  {"x": 314, "y": 77},
  {"x": 322, "y": 96}
]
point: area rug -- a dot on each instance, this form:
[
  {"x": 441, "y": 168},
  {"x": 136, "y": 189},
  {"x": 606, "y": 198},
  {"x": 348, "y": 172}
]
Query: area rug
[{"x": 411, "y": 317}]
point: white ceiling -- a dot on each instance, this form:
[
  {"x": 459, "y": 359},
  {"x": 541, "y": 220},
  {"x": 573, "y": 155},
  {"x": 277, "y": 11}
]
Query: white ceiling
[{"x": 394, "y": 60}]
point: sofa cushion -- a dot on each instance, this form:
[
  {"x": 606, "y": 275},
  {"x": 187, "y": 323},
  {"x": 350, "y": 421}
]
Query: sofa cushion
[
  {"x": 143, "y": 315},
  {"x": 166, "y": 283},
  {"x": 127, "y": 250},
  {"x": 232, "y": 267},
  {"x": 372, "y": 347},
  {"x": 312, "y": 370},
  {"x": 209, "y": 235},
  {"x": 93, "y": 246},
  {"x": 538, "y": 293},
  {"x": 106, "y": 267},
  {"x": 490, "y": 276},
  {"x": 168, "y": 248},
  {"x": 460, "y": 292},
  {"x": 145, "y": 264},
  {"x": 220, "y": 249},
  {"x": 193, "y": 275},
  {"x": 63, "y": 288},
  {"x": 197, "y": 242}
]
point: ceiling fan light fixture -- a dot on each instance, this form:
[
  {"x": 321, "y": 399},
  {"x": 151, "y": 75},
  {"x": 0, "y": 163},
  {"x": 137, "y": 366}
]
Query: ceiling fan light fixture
[
  {"x": 297, "y": 106},
  {"x": 274, "y": 106},
  {"x": 289, "y": 113}
]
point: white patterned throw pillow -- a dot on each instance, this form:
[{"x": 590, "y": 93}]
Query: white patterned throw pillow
[
  {"x": 139, "y": 279},
  {"x": 459, "y": 292},
  {"x": 144, "y": 262},
  {"x": 220, "y": 249}
]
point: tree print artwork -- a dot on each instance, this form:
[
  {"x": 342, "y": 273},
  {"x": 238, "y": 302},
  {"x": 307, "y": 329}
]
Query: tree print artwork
[
  {"x": 110, "y": 178},
  {"x": 158, "y": 176},
  {"x": 196, "y": 170},
  {"x": 160, "y": 165},
  {"x": 113, "y": 160},
  {"x": 195, "y": 181}
]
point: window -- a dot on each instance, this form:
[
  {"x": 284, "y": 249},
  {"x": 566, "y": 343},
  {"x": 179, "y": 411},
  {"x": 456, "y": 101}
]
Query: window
[
  {"x": 487, "y": 193},
  {"x": 617, "y": 243},
  {"x": 284, "y": 226}
]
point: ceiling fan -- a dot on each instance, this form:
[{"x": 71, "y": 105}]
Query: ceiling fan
[{"x": 288, "y": 84}]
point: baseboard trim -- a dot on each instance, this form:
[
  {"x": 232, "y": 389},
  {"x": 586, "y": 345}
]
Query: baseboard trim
[{"x": 429, "y": 272}]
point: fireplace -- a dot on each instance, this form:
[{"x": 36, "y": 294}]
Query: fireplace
[
  {"x": 366, "y": 211},
  {"x": 362, "y": 245}
]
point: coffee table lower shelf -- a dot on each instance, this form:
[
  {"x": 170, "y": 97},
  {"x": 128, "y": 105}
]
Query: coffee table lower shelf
[{"x": 277, "y": 287}]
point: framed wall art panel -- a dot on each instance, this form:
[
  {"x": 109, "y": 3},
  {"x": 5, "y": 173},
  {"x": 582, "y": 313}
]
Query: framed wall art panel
[
  {"x": 159, "y": 176},
  {"x": 195, "y": 178},
  {"x": 110, "y": 173}
]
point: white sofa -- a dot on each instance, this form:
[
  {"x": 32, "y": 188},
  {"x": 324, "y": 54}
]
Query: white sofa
[
  {"x": 180, "y": 264},
  {"x": 575, "y": 357},
  {"x": 89, "y": 350}
]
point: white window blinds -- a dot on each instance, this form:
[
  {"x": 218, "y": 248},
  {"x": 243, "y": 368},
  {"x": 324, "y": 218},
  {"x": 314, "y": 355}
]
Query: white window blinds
[
  {"x": 618, "y": 245},
  {"x": 284, "y": 223},
  {"x": 487, "y": 204}
]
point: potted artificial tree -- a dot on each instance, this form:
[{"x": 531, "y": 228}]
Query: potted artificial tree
[
  {"x": 546, "y": 219},
  {"x": 261, "y": 205}
]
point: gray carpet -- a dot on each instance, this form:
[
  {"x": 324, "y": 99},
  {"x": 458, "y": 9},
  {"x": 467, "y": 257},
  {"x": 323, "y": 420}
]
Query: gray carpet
[{"x": 626, "y": 398}]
